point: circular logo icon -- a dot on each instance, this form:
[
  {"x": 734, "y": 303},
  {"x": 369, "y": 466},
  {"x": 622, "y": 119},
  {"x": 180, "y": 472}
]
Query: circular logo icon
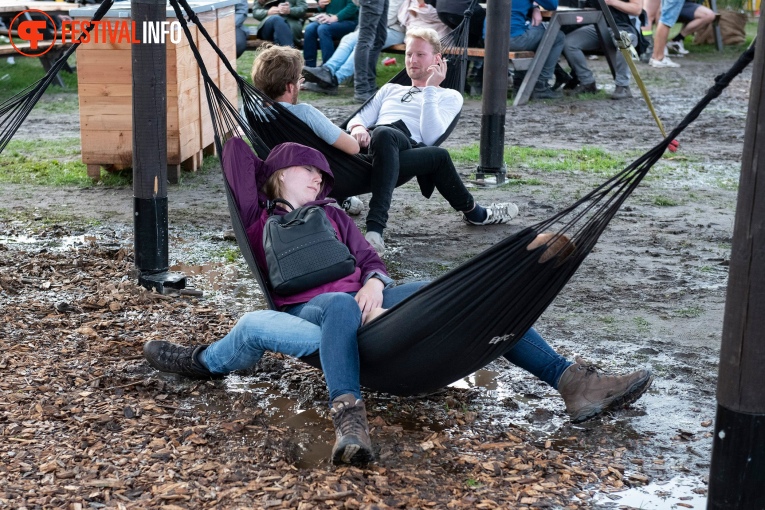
[{"x": 32, "y": 31}]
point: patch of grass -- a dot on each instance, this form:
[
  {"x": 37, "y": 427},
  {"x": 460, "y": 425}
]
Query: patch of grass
[
  {"x": 689, "y": 312},
  {"x": 642, "y": 324},
  {"x": 473, "y": 483},
  {"x": 607, "y": 319},
  {"x": 665, "y": 201},
  {"x": 50, "y": 163},
  {"x": 586, "y": 159},
  {"x": 25, "y": 71}
]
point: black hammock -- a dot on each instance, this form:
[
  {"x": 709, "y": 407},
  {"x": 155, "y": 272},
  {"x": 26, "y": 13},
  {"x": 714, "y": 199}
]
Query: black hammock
[
  {"x": 467, "y": 317},
  {"x": 474, "y": 313},
  {"x": 274, "y": 124}
]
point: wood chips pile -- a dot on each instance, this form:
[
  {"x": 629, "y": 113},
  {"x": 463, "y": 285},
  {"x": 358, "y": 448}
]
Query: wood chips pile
[{"x": 86, "y": 423}]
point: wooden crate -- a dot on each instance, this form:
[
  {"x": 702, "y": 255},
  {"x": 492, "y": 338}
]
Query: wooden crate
[{"x": 105, "y": 93}]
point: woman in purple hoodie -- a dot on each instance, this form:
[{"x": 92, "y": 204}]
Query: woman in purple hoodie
[{"x": 326, "y": 318}]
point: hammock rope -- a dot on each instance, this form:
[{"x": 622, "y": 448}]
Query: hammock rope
[{"x": 14, "y": 111}]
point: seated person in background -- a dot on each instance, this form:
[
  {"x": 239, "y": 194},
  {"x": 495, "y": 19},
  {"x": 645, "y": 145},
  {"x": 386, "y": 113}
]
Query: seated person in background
[
  {"x": 586, "y": 39},
  {"x": 398, "y": 125},
  {"x": 335, "y": 19},
  {"x": 282, "y": 23},
  {"x": 240, "y": 15},
  {"x": 694, "y": 17},
  {"x": 326, "y": 320},
  {"x": 420, "y": 14},
  {"x": 526, "y": 32},
  {"x": 340, "y": 67},
  {"x": 276, "y": 72}
]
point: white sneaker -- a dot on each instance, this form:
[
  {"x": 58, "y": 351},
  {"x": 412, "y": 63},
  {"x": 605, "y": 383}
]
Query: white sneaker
[
  {"x": 353, "y": 206},
  {"x": 376, "y": 241},
  {"x": 665, "y": 62},
  {"x": 677, "y": 47},
  {"x": 496, "y": 213}
]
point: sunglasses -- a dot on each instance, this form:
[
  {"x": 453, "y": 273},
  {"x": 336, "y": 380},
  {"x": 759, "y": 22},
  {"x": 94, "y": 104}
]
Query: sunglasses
[{"x": 408, "y": 96}]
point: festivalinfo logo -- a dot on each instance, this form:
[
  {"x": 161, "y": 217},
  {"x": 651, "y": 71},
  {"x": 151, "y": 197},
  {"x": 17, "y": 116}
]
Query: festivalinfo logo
[{"x": 37, "y": 33}]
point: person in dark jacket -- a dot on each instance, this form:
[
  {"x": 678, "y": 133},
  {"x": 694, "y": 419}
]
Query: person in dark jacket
[
  {"x": 336, "y": 18},
  {"x": 282, "y": 23},
  {"x": 326, "y": 318}
]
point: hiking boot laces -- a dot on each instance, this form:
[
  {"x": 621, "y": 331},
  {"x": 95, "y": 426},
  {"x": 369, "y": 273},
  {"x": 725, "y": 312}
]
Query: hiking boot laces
[
  {"x": 352, "y": 442},
  {"x": 177, "y": 359}
]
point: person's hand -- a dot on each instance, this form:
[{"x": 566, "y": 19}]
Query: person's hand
[
  {"x": 369, "y": 297},
  {"x": 361, "y": 135},
  {"x": 437, "y": 72},
  {"x": 284, "y": 8},
  {"x": 536, "y": 17},
  {"x": 324, "y": 3},
  {"x": 273, "y": 11},
  {"x": 373, "y": 314}
]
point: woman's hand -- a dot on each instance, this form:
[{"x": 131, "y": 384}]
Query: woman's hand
[
  {"x": 536, "y": 16},
  {"x": 369, "y": 297}
]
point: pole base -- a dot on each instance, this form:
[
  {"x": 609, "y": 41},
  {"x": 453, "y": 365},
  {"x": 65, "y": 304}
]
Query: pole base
[
  {"x": 737, "y": 474},
  {"x": 490, "y": 177},
  {"x": 163, "y": 282}
]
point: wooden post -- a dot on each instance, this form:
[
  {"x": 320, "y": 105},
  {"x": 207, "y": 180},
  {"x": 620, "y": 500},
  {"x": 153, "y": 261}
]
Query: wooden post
[
  {"x": 150, "y": 152},
  {"x": 737, "y": 473},
  {"x": 494, "y": 103}
]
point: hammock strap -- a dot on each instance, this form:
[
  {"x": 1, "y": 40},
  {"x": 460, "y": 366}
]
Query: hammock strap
[{"x": 15, "y": 110}]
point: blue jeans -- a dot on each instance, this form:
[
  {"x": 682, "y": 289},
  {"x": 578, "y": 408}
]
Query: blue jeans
[
  {"x": 373, "y": 27},
  {"x": 328, "y": 323},
  {"x": 343, "y": 61},
  {"x": 323, "y": 35},
  {"x": 529, "y": 41},
  {"x": 534, "y": 355},
  {"x": 276, "y": 29}
]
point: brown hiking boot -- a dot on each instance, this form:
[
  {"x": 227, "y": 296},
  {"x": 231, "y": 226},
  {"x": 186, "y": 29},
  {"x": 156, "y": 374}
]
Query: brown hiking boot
[
  {"x": 588, "y": 393},
  {"x": 352, "y": 443}
]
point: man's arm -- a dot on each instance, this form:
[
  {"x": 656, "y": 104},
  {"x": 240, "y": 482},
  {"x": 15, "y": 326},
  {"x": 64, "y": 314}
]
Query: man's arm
[
  {"x": 550, "y": 5},
  {"x": 367, "y": 117},
  {"x": 325, "y": 129},
  {"x": 439, "y": 108}
]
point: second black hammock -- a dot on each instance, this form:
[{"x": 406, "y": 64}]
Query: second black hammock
[{"x": 471, "y": 315}]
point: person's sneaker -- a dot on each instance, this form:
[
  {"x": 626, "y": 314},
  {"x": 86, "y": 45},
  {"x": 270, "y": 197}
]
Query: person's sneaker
[
  {"x": 321, "y": 76},
  {"x": 588, "y": 393},
  {"x": 665, "y": 62},
  {"x": 496, "y": 213},
  {"x": 590, "y": 88},
  {"x": 176, "y": 359},
  {"x": 376, "y": 240},
  {"x": 313, "y": 87},
  {"x": 621, "y": 92},
  {"x": 352, "y": 442},
  {"x": 546, "y": 93},
  {"x": 353, "y": 206},
  {"x": 677, "y": 47}
]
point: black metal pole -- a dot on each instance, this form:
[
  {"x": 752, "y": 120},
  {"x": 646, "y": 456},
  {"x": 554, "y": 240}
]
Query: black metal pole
[
  {"x": 737, "y": 472},
  {"x": 150, "y": 152},
  {"x": 494, "y": 103}
]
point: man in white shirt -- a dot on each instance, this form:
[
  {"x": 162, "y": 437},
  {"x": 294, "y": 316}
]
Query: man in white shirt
[{"x": 400, "y": 124}]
